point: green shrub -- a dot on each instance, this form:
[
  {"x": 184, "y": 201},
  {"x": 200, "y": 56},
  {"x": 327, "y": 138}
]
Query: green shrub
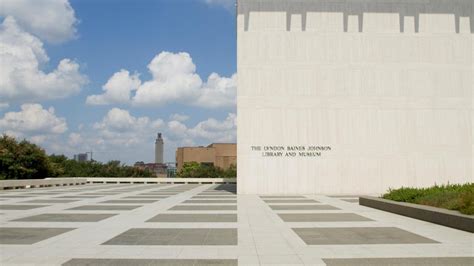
[{"x": 453, "y": 197}]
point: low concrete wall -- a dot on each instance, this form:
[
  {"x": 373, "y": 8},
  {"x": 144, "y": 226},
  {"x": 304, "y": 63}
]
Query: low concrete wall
[
  {"x": 426, "y": 213},
  {"x": 153, "y": 180},
  {"x": 48, "y": 182}
]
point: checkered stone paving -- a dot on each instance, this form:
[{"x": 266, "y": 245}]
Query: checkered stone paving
[{"x": 145, "y": 224}]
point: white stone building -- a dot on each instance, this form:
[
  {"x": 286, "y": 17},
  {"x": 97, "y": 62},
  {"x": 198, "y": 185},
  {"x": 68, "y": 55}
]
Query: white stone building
[{"x": 381, "y": 89}]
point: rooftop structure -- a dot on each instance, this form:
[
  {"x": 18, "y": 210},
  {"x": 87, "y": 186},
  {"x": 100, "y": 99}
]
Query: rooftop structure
[{"x": 221, "y": 155}]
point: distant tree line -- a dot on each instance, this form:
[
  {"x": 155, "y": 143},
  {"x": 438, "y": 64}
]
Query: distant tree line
[
  {"x": 25, "y": 160},
  {"x": 194, "y": 169}
]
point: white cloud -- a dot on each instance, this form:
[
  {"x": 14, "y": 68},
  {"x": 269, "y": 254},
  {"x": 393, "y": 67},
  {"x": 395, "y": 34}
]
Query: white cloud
[
  {"x": 207, "y": 131},
  {"x": 229, "y": 4},
  {"x": 50, "y": 20},
  {"x": 120, "y": 128},
  {"x": 218, "y": 92},
  {"x": 33, "y": 121},
  {"x": 179, "y": 117},
  {"x": 21, "y": 55},
  {"x": 117, "y": 89},
  {"x": 119, "y": 135},
  {"x": 174, "y": 79},
  {"x": 215, "y": 130},
  {"x": 123, "y": 136},
  {"x": 75, "y": 139},
  {"x": 177, "y": 129}
]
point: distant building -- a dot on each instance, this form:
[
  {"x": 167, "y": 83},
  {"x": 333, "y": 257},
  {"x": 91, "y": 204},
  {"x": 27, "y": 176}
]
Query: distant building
[
  {"x": 221, "y": 155},
  {"x": 160, "y": 169},
  {"x": 171, "y": 170},
  {"x": 81, "y": 157},
  {"x": 159, "y": 149}
]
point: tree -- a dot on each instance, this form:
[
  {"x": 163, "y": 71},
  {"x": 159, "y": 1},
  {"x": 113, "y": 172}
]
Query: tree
[
  {"x": 23, "y": 160},
  {"x": 194, "y": 169}
]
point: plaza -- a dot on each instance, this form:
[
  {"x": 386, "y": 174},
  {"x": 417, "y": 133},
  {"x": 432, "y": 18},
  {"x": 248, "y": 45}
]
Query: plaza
[{"x": 195, "y": 224}]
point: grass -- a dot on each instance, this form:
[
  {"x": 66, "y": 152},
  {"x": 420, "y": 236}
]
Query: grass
[{"x": 452, "y": 197}]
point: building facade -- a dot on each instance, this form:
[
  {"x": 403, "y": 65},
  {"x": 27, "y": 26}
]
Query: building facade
[
  {"x": 221, "y": 155},
  {"x": 80, "y": 157},
  {"x": 353, "y": 96}
]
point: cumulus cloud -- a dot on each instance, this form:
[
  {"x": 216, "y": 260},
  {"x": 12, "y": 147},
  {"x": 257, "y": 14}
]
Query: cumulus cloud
[
  {"x": 179, "y": 117},
  {"x": 21, "y": 55},
  {"x": 121, "y": 135},
  {"x": 75, "y": 139},
  {"x": 117, "y": 89},
  {"x": 50, "y": 20},
  {"x": 33, "y": 121},
  {"x": 218, "y": 92},
  {"x": 174, "y": 79},
  {"x": 4, "y": 105},
  {"x": 215, "y": 130},
  {"x": 210, "y": 130},
  {"x": 121, "y": 128}
]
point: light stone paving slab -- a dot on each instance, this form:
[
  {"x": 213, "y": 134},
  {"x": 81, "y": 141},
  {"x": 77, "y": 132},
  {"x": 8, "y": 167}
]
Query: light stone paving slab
[
  {"x": 263, "y": 238},
  {"x": 149, "y": 262}
]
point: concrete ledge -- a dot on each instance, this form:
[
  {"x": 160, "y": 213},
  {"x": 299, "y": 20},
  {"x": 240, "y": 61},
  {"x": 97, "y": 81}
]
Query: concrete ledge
[
  {"x": 48, "y": 182},
  {"x": 430, "y": 214},
  {"x": 154, "y": 180}
]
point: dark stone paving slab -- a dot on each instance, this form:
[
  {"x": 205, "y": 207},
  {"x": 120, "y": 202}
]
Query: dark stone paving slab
[
  {"x": 100, "y": 194},
  {"x": 128, "y": 201},
  {"x": 105, "y": 207},
  {"x": 204, "y": 208},
  {"x": 66, "y": 217},
  {"x": 210, "y": 201},
  {"x": 359, "y": 236},
  {"x": 20, "y": 207},
  {"x": 145, "y": 197},
  {"x": 291, "y": 201},
  {"x": 28, "y": 236},
  {"x": 150, "y": 262},
  {"x": 351, "y": 200},
  {"x": 345, "y": 196},
  {"x": 322, "y": 217},
  {"x": 442, "y": 261},
  {"x": 215, "y": 197},
  {"x": 194, "y": 218},
  {"x": 49, "y": 201},
  {"x": 282, "y": 197},
  {"x": 15, "y": 196},
  {"x": 302, "y": 207},
  {"x": 176, "y": 236}
]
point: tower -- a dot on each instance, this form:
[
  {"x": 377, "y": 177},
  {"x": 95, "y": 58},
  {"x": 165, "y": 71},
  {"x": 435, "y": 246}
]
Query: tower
[{"x": 159, "y": 149}]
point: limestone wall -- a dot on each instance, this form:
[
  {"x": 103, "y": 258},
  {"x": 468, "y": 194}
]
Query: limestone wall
[{"x": 386, "y": 84}]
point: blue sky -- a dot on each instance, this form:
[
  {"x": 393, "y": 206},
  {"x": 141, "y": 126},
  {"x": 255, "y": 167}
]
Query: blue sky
[{"x": 116, "y": 41}]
